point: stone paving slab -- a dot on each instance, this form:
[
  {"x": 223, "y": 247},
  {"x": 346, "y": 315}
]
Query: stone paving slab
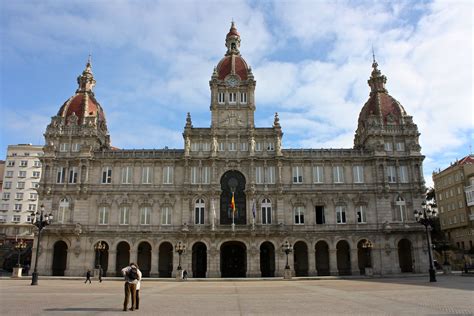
[{"x": 451, "y": 295}]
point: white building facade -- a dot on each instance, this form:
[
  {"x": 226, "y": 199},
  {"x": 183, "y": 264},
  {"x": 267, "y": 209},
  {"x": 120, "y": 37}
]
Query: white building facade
[{"x": 345, "y": 211}]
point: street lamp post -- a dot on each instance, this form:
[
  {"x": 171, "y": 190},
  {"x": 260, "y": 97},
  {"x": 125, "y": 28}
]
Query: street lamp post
[
  {"x": 99, "y": 246},
  {"x": 180, "y": 248},
  {"x": 287, "y": 249},
  {"x": 425, "y": 218},
  {"x": 40, "y": 220},
  {"x": 20, "y": 246}
]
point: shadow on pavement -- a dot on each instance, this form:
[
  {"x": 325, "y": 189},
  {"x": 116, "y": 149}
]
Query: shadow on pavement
[{"x": 82, "y": 309}]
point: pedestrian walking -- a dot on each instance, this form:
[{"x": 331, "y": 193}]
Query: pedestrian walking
[
  {"x": 100, "y": 275},
  {"x": 137, "y": 292},
  {"x": 185, "y": 275},
  {"x": 131, "y": 275},
  {"x": 88, "y": 277}
]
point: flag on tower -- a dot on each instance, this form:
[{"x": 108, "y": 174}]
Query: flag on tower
[{"x": 232, "y": 203}]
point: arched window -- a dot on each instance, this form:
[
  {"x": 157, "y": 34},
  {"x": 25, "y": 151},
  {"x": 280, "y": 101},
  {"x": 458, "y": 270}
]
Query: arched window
[
  {"x": 63, "y": 210},
  {"x": 266, "y": 212},
  {"x": 400, "y": 211},
  {"x": 199, "y": 208},
  {"x": 299, "y": 215}
]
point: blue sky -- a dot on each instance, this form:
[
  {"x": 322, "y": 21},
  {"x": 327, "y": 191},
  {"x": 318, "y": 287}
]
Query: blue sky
[{"x": 311, "y": 59}]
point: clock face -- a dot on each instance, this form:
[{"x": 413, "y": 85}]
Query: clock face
[{"x": 232, "y": 82}]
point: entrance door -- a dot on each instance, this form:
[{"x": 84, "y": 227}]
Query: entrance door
[
  {"x": 123, "y": 257},
  {"x": 165, "y": 260},
  {"x": 404, "y": 255},
  {"x": 343, "y": 258},
  {"x": 300, "y": 256},
  {"x": 59, "y": 258},
  {"x": 364, "y": 257},
  {"x": 144, "y": 258},
  {"x": 199, "y": 260},
  {"x": 322, "y": 258},
  {"x": 233, "y": 181},
  {"x": 233, "y": 260},
  {"x": 267, "y": 259}
]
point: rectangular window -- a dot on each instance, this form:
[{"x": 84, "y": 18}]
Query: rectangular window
[
  {"x": 243, "y": 97},
  {"x": 361, "y": 214},
  {"x": 400, "y": 146},
  {"x": 33, "y": 196},
  {"x": 270, "y": 147},
  {"x": 258, "y": 146},
  {"x": 124, "y": 215},
  {"x": 106, "y": 175},
  {"x": 3, "y": 218},
  {"x": 358, "y": 173},
  {"x": 297, "y": 174},
  {"x": 167, "y": 175},
  {"x": 21, "y": 174},
  {"x": 270, "y": 175},
  {"x": 10, "y": 163},
  {"x": 16, "y": 218},
  {"x": 194, "y": 175},
  {"x": 146, "y": 175},
  {"x": 35, "y": 185},
  {"x": 320, "y": 218},
  {"x": 166, "y": 216},
  {"x": 318, "y": 174},
  {"x": 6, "y": 195},
  {"x": 36, "y": 174},
  {"x": 403, "y": 174},
  {"x": 19, "y": 196},
  {"x": 63, "y": 147},
  {"x": 388, "y": 146},
  {"x": 258, "y": 175},
  {"x": 76, "y": 147},
  {"x": 4, "y": 207},
  {"x": 220, "y": 98},
  {"x": 37, "y": 163},
  {"x": 206, "y": 146},
  {"x": 340, "y": 214},
  {"x": 195, "y": 146},
  {"x": 20, "y": 185},
  {"x": 232, "y": 146},
  {"x": 243, "y": 146},
  {"x": 232, "y": 97},
  {"x": 221, "y": 146},
  {"x": 73, "y": 175},
  {"x": 338, "y": 174},
  {"x": 391, "y": 174},
  {"x": 299, "y": 215},
  {"x": 145, "y": 215},
  {"x": 31, "y": 207},
  {"x": 266, "y": 213},
  {"x": 24, "y": 163},
  {"x": 103, "y": 215},
  {"x": 199, "y": 214},
  {"x": 18, "y": 207},
  {"x": 61, "y": 175},
  {"x": 9, "y": 174},
  {"x": 7, "y": 185},
  {"x": 460, "y": 204},
  {"x": 126, "y": 175},
  {"x": 206, "y": 175}
]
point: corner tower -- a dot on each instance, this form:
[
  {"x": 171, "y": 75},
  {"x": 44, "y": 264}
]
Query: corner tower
[{"x": 232, "y": 88}]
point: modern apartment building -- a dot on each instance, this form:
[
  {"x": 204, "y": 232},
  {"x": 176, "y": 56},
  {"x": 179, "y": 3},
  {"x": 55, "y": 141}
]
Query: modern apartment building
[{"x": 455, "y": 198}]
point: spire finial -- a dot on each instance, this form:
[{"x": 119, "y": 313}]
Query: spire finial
[
  {"x": 86, "y": 80},
  {"x": 377, "y": 80},
  {"x": 373, "y": 54},
  {"x": 89, "y": 60}
]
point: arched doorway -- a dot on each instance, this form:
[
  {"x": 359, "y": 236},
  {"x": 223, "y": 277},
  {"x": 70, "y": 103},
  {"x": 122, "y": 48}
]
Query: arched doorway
[
  {"x": 144, "y": 258},
  {"x": 267, "y": 259},
  {"x": 102, "y": 257},
  {"x": 233, "y": 260},
  {"x": 233, "y": 180},
  {"x": 343, "y": 258},
  {"x": 364, "y": 255},
  {"x": 59, "y": 258},
  {"x": 199, "y": 263},
  {"x": 322, "y": 258},
  {"x": 123, "y": 257},
  {"x": 404, "y": 255},
  {"x": 300, "y": 256},
  {"x": 165, "y": 260}
]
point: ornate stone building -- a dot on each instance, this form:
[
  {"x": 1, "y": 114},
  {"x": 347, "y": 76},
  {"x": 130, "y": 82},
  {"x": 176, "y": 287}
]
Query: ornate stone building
[{"x": 343, "y": 210}]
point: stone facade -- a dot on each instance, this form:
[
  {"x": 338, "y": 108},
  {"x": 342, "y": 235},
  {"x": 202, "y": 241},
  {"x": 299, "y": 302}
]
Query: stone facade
[{"x": 344, "y": 211}]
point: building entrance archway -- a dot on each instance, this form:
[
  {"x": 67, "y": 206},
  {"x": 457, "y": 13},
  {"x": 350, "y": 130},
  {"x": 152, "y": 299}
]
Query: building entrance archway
[
  {"x": 364, "y": 256},
  {"x": 233, "y": 180},
  {"x": 322, "y": 258},
  {"x": 165, "y": 260},
  {"x": 404, "y": 255},
  {"x": 343, "y": 258},
  {"x": 102, "y": 257},
  {"x": 267, "y": 259},
  {"x": 144, "y": 258},
  {"x": 199, "y": 263},
  {"x": 300, "y": 256},
  {"x": 59, "y": 258},
  {"x": 233, "y": 260},
  {"x": 123, "y": 257}
]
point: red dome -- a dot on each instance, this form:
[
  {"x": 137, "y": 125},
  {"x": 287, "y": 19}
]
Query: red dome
[
  {"x": 82, "y": 104},
  {"x": 384, "y": 106},
  {"x": 224, "y": 67}
]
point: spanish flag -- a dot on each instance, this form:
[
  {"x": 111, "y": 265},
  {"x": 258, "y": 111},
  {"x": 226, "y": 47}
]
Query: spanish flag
[{"x": 232, "y": 203}]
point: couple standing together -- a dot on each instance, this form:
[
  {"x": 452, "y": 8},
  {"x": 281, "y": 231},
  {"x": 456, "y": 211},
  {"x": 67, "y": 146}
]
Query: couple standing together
[{"x": 133, "y": 277}]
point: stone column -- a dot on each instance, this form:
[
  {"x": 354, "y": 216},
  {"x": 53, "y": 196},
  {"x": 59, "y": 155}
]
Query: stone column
[
  {"x": 253, "y": 263},
  {"x": 154, "y": 273},
  {"x": 213, "y": 263},
  {"x": 333, "y": 262}
]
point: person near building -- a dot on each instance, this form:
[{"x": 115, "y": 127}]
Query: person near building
[
  {"x": 131, "y": 275},
  {"x": 185, "y": 275},
  {"x": 88, "y": 277},
  {"x": 137, "y": 292}
]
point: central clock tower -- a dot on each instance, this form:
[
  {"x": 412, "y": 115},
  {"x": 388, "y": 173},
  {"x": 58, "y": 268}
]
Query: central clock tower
[{"x": 232, "y": 89}]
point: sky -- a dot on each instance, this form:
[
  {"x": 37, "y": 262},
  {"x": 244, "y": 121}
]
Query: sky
[{"x": 153, "y": 60}]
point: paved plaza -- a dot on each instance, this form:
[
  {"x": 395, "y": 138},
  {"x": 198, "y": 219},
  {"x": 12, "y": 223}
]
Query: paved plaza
[{"x": 451, "y": 295}]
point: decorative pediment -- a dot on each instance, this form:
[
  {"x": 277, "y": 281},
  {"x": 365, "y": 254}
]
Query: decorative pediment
[
  {"x": 124, "y": 200},
  {"x": 339, "y": 199},
  {"x": 104, "y": 200},
  {"x": 168, "y": 199},
  {"x": 319, "y": 200},
  {"x": 360, "y": 199},
  {"x": 297, "y": 201},
  {"x": 146, "y": 200}
]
